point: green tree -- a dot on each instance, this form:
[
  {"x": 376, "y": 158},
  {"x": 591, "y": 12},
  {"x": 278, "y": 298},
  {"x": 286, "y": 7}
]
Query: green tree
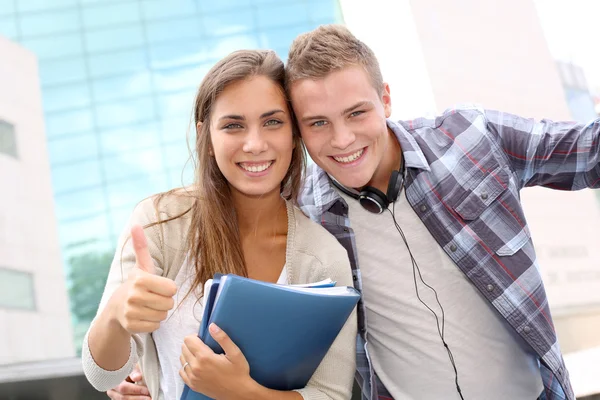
[{"x": 86, "y": 278}]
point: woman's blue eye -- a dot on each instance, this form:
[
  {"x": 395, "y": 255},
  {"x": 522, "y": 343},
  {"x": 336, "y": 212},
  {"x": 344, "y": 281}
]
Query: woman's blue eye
[
  {"x": 319, "y": 123},
  {"x": 232, "y": 126},
  {"x": 272, "y": 122}
]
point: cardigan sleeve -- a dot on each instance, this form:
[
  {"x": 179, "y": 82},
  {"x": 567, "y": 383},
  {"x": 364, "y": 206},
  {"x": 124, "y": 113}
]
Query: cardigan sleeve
[{"x": 123, "y": 262}]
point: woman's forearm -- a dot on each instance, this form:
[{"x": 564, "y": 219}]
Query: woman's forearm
[{"x": 109, "y": 343}]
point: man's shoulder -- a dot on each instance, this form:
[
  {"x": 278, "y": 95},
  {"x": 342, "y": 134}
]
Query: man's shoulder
[{"x": 458, "y": 116}]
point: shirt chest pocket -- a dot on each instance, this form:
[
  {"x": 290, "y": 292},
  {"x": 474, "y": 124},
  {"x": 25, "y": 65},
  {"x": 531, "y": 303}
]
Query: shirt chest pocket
[{"x": 492, "y": 211}]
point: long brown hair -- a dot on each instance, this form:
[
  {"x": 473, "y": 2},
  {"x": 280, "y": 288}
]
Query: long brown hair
[{"x": 213, "y": 239}]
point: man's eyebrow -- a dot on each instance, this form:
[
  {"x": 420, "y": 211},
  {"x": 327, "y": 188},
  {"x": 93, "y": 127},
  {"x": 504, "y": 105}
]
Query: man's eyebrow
[
  {"x": 313, "y": 118},
  {"x": 357, "y": 105},
  {"x": 346, "y": 111}
]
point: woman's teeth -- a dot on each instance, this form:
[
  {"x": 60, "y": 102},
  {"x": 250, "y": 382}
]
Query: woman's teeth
[
  {"x": 256, "y": 167},
  {"x": 350, "y": 158}
]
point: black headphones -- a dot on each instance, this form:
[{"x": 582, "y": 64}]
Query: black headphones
[{"x": 373, "y": 199}]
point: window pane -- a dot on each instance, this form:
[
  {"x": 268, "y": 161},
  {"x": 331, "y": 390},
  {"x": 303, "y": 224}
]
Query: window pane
[
  {"x": 8, "y": 27},
  {"x": 179, "y": 128},
  {"x": 41, "y": 5},
  {"x": 66, "y": 97},
  {"x": 64, "y": 123},
  {"x": 8, "y": 7},
  {"x": 139, "y": 164},
  {"x": 52, "y": 22},
  {"x": 106, "y": 64},
  {"x": 76, "y": 176},
  {"x": 62, "y": 71},
  {"x": 131, "y": 85},
  {"x": 97, "y": 16},
  {"x": 173, "y": 29},
  {"x": 177, "y": 104},
  {"x": 86, "y": 202},
  {"x": 68, "y": 149},
  {"x": 177, "y": 155},
  {"x": 282, "y": 15},
  {"x": 223, "y": 5},
  {"x": 179, "y": 177},
  {"x": 89, "y": 234},
  {"x": 174, "y": 54},
  {"x": 8, "y": 139},
  {"x": 223, "y": 24},
  {"x": 114, "y": 39},
  {"x": 56, "y": 46},
  {"x": 280, "y": 38},
  {"x": 130, "y": 192},
  {"x": 324, "y": 11},
  {"x": 170, "y": 80},
  {"x": 126, "y": 112},
  {"x": 16, "y": 290},
  {"x": 128, "y": 138},
  {"x": 156, "y": 9},
  {"x": 223, "y": 46}
]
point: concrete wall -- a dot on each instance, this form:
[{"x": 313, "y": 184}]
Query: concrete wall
[{"x": 28, "y": 232}]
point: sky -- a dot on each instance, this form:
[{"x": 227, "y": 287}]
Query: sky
[{"x": 571, "y": 29}]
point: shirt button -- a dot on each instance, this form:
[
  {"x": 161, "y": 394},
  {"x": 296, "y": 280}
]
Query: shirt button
[
  {"x": 453, "y": 248},
  {"x": 490, "y": 288},
  {"x": 527, "y": 329},
  {"x": 423, "y": 208},
  {"x": 354, "y": 278},
  {"x": 484, "y": 196},
  {"x": 345, "y": 229}
]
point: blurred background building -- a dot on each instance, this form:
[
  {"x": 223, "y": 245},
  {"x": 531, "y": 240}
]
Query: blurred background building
[{"x": 117, "y": 80}]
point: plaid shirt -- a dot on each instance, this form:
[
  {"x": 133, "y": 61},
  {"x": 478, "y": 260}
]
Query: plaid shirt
[{"x": 464, "y": 171}]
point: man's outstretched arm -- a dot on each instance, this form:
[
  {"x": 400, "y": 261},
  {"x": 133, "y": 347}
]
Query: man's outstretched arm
[{"x": 558, "y": 155}]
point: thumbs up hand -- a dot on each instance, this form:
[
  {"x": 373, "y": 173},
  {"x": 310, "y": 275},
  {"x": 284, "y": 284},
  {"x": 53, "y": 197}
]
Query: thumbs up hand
[{"x": 144, "y": 299}]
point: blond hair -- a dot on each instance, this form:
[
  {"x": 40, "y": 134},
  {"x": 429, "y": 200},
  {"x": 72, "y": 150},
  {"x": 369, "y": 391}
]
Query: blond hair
[{"x": 328, "y": 48}]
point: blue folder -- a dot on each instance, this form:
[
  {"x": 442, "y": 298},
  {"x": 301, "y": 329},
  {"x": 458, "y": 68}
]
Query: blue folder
[{"x": 283, "y": 331}]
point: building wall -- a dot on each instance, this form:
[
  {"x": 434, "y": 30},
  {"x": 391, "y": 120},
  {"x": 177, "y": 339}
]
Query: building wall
[
  {"x": 501, "y": 60},
  {"x": 34, "y": 313}
]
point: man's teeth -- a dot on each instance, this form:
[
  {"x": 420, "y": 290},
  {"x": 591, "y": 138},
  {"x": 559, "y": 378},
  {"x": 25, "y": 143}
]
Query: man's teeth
[
  {"x": 350, "y": 158},
  {"x": 256, "y": 167}
]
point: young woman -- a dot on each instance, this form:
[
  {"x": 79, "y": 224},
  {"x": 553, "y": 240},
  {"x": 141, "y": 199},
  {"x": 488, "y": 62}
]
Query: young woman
[{"x": 238, "y": 218}]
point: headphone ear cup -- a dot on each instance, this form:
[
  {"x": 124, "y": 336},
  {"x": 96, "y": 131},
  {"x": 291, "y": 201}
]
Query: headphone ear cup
[
  {"x": 394, "y": 186},
  {"x": 373, "y": 200}
]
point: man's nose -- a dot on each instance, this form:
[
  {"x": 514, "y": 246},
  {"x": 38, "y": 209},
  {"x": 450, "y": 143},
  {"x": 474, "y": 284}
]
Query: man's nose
[{"x": 342, "y": 138}]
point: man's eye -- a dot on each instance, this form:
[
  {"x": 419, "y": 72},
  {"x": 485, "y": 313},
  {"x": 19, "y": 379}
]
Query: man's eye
[
  {"x": 272, "y": 122},
  {"x": 232, "y": 126},
  {"x": 356, "y": 113},
  {"x": 319, "y": 123}
]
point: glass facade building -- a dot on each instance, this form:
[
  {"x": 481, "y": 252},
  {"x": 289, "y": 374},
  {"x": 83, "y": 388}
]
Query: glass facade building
[{"x": 118, "y": 82}]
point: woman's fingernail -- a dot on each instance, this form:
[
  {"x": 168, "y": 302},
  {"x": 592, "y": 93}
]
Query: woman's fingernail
[{"x": 214, "y": 328}]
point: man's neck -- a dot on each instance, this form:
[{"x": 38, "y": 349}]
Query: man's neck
[
  {"x": 392, "y": 157},
  {"x": 260, "y": 215}
]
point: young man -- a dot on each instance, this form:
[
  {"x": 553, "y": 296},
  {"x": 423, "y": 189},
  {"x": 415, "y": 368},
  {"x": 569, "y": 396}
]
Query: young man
[{"x": 453, "y": 304}]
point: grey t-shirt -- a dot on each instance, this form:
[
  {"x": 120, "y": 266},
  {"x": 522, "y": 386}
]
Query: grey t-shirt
[{"x": 403, "y": 342}]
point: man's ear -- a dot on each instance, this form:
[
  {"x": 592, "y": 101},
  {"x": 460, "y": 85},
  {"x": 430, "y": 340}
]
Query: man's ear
[{"x": 386, "y": 99}]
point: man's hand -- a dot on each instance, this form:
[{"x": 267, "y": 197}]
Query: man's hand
[{"x": 129, "y": 390}]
